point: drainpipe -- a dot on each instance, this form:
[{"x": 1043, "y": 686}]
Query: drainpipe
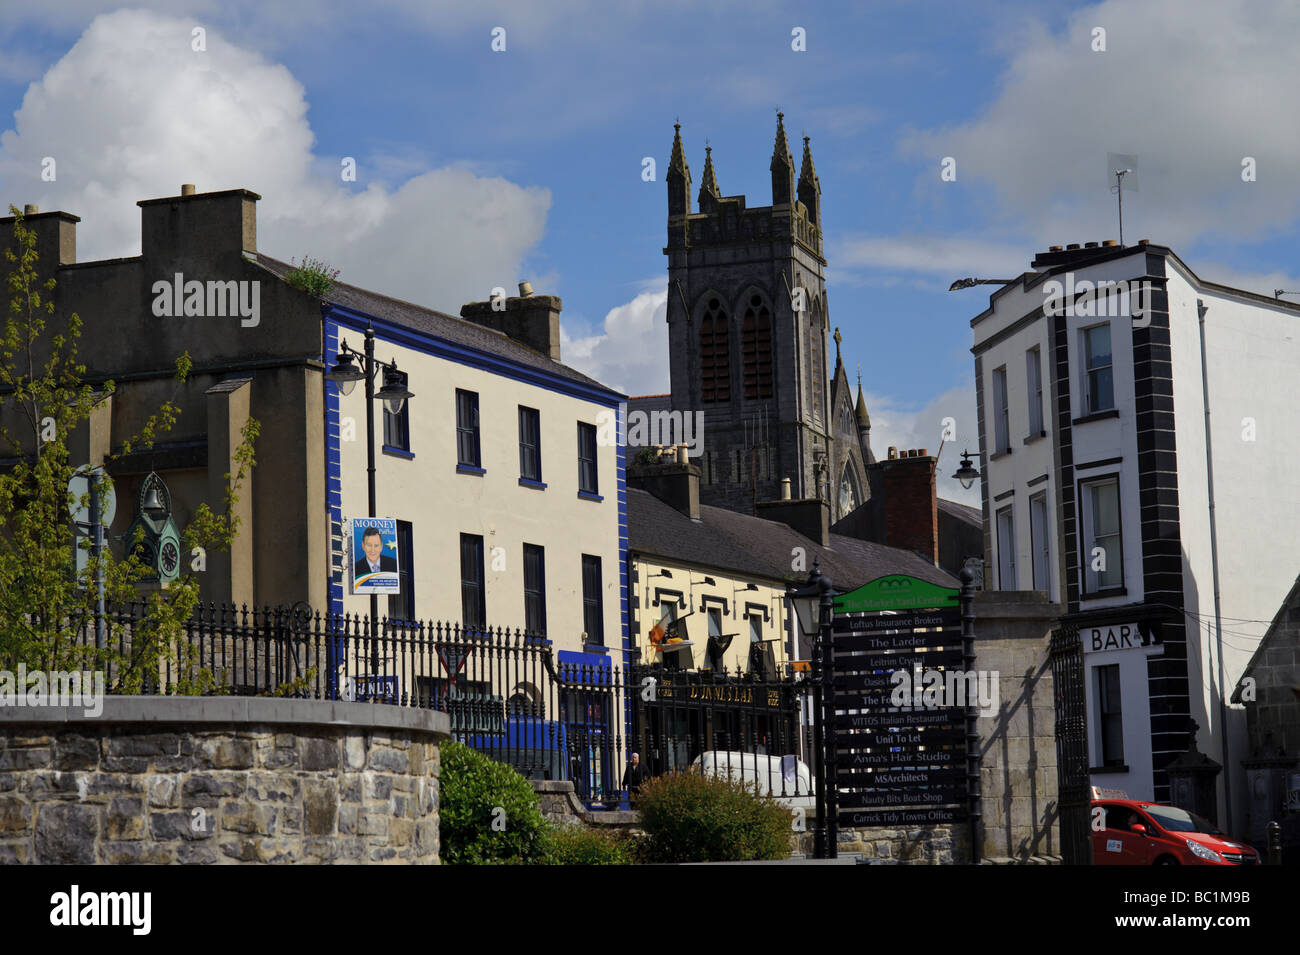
[{"x": 1201, "y": 309}]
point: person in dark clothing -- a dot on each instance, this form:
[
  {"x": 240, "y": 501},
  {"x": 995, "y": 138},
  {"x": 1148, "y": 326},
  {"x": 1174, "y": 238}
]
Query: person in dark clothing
[{"x": 634, "y": 776}]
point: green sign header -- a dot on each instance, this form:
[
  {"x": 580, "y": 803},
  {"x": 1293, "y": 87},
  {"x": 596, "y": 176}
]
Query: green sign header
[{"x": 897, "y": 592}]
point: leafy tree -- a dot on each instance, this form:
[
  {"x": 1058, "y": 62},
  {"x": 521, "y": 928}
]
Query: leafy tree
[{"x": 47, "y": 608}]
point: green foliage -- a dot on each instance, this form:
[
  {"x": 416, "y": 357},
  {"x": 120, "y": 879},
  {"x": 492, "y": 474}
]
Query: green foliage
[
  {"x": 43, "y": 602},
  {"x": 691, "y": 817},
  {"x": 583, "y": 845},
  {"x": 474, "y": 788},
  {"x": 313, "y": 277},
  {"x": 646, "y": 456}
]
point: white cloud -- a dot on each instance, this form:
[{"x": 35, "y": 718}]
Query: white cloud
[
  {"x": 630, "y": 352},
  {"x": 908, "y": 427},
  {"x": 1191, "y": 88},
  {"x": 945, "y": 256},
  {"x": 131, "y": 112}
]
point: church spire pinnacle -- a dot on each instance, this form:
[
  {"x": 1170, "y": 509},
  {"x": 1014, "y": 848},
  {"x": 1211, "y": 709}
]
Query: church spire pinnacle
[
  {"x": 709, "y": 181},
  {"x": 810, "y": 188},
  {"x": 782, "y": 166},
  {"x": 678, "y": 179},
  {"x": 807, "y": 173},
  {"x": 678, "y": 161}
]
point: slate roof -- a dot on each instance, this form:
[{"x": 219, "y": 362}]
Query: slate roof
[
  {"x": 751, "y": 545},
  {"x": 972, "y": 515},
  {"x": 450, "y": 328}
]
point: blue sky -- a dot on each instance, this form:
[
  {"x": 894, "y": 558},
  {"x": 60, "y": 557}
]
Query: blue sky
[{"x": 478, "y": 168}]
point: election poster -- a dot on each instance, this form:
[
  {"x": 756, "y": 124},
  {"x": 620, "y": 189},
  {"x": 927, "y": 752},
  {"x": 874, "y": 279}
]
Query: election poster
[{"x": 374, "y": 555}]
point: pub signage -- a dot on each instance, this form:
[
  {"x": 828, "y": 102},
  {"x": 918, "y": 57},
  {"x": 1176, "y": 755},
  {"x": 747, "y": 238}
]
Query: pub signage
[{"x": 1118, "y": 636}]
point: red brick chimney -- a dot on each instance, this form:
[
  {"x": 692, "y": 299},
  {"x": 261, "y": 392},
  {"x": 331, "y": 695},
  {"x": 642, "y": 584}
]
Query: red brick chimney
[{"x": 911, "y": 504}]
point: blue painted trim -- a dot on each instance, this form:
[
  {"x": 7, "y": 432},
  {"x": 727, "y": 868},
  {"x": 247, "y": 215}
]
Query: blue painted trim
[
  {"x": 621, "y": 493},
  {"x": 333, "y": 498},
  {"x": 590, "y": 497},
  {"x": 470, "y": 469},
  {"x": 582, "y": 659},
  {"x": 398, "y": 452},
  {"x": 535, "y": 485},
  {"x": 465, "y": 355}
]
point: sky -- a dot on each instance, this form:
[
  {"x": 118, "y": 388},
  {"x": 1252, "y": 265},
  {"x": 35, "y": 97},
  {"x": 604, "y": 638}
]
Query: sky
[{"x": 479, "y": 167}]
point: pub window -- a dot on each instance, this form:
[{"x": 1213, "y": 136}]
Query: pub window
[
  {"x": 401, "y": 605},
  {"x": 534, "y": 589},
  {"x": 467, "y": 435},
  {"x": 592, "y": 611},
  {"x": 587, "y": 458},
  {"x": 473, "y": 604},
  {"x": 397, "y": 427},
  {"x": 756, "y": 347},
  {"x": 530, "y": 444},
  {"x": 1110, "y": 716},
  {"x": 715, "y": 364}
]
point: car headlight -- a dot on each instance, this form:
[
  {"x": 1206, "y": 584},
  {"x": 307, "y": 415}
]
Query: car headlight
[{"x": 1203, "y": 852}]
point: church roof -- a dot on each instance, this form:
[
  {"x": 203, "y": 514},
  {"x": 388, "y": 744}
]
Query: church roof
[{"x": 864, "y": 419}]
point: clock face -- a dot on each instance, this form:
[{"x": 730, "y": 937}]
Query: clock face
[
  {"x": 170, "y": 557},
  {"x": 848, "y": 499}
]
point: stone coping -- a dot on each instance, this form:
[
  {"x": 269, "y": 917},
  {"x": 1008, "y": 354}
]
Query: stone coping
[{"x": 194, "y": 711}]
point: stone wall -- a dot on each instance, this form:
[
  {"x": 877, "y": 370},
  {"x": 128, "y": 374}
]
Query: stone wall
[
  {"x": 1018, "y": 744},
  {"x": 561, "y": 805},
  {"x": 220, "y": 781}
]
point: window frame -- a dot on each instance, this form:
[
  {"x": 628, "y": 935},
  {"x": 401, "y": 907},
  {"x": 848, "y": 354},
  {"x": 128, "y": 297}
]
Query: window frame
[
  {"x": 1001, "y": 411},
  {"x": 397, "y": 427},
  {"x": 535, "y": 595},
  {"x": 469, "y": 585},
  {"x": 1036, "y": 503},
  {"x": 1006, "y": 548},
  {"x": 593, "y": 603},
  {"x": 401, "y": 606},
  {"x": 467, "y": 405},
  {"x": 1034, "y": 378},
  {"x": 1089, "y": 371},
  {"x": 585, "y": 463},
  {"x": 1110, "y": 720},
  {"x": 530, "y": 440},
  {"x": 1088, "y": 541}
]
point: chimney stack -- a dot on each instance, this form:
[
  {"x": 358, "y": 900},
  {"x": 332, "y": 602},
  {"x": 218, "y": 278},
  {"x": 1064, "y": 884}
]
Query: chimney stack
[
  {"x": 56, "y": 237},
  {"x": 671, "y": 478},
  {"x": 532, "y": 320},
  {"x": 207, "y": 226},
  {"x": 911, "y": 505}
]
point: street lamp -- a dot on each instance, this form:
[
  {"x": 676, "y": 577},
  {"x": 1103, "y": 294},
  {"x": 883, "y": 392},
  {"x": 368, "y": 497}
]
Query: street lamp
[
  {"x": 813, "y": 605},
  {"x": 346, "y": 374},
  {"x": 971, "y": 283},
  {"x": 967, "y": 474}
]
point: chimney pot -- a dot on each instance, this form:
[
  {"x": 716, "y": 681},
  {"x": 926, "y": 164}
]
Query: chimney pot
[
  {"x": 923, "y": 453},
  {"x": 1053, "y": 248},
  {"x": 893, "y": 453},
  {"x": 525, "y": 289},
  {"x": 1110, "y": 242},
  {"x": 1144, "y": 241},
  {"x": 785, "y": 489},
  {"x": 683, "y": 456},
  {"x": 1072, "y": 246},
  {"x": 1090, "y": 245},
  {"x": 187, "y": 189},
  {"x": 30, "y": 209}
]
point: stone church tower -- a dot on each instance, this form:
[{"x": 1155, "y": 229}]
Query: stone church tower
[{"x": 747, "y": 331}]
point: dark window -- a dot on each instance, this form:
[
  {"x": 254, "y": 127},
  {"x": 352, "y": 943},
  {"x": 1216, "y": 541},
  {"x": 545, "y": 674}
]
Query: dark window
[
  {"x": 593, "y": 619},
  {"x": 756, "y": 347},
  {"x": 587, "y": 458},
  {"x": 1100, "y": 383},
  {"x": 473, "y": 607},
  {"x": 397, "y": 427},
  {"x": 1110, "y": 716},
  {"x": 530, "y": 444},
  {"x": 467, "y": 443},
  {"x": 715, "y": 364},
  {"x": 534, "y": 589},
  {"x": 401, "y": 606}
]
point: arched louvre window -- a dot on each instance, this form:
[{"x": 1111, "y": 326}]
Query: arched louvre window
[
  {"x": 756, "y": 347},
  {"x": 715, "y": 371},
  {"x": 817, "y": 342}
]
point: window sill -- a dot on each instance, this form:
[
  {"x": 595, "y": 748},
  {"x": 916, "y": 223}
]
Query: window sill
[
  {"x": 588, "y": 496},
  {"x": 999, "y": 454},
  {"x": 1103, "y": 770},
  {"x": 1103, "y": 594},
  {"x": 1097, "y": 416},
  {"x": 398, "y": 452},
  {"x": 595, "y": 648},
  {"x": 470, "y": 469},
  {"x": 1035, "y": 437},
  {"x": 535, "y": 485}
]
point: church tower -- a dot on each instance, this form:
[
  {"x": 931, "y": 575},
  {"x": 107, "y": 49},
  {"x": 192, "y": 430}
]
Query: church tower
[{"x": 747, "y": 328}]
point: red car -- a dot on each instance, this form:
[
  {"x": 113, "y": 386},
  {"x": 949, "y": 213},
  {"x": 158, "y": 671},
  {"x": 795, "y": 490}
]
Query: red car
[{"x": 1135, "y": 832}]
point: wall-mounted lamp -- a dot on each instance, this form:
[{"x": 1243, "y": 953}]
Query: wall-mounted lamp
[{"x": 967, "y": 473}]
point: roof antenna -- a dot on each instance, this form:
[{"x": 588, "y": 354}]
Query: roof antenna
[{"x": 1119, "y": 194}]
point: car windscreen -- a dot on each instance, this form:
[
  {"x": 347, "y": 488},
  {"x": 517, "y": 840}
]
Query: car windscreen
[{"x": 1174, "y": 819}]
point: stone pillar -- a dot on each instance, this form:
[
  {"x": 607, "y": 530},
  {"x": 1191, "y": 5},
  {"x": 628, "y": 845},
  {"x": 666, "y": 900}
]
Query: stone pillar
[{"x": 229, "y": 576}]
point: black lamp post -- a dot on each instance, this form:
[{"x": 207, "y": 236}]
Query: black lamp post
[
  {"x": 346, "y": 374},
  {"x": 814, "y": 604}
]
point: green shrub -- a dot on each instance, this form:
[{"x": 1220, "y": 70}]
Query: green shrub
[
  {"x": 313, "y": 277},
  {"x": 690, "y": 817},
  {"x": 583, "y": 845},
  {"x": 473, "y": 788}
]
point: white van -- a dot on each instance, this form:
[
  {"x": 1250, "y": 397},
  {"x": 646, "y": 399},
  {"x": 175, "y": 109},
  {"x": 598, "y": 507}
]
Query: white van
[{"x": 771, "y": 775}]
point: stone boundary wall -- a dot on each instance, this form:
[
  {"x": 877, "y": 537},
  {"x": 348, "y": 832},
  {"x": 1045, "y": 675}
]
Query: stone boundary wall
[
  {"x": 561, "y": 805},
  {"x": 947, "y": 844},
  {"x": 220, "y": 780}
]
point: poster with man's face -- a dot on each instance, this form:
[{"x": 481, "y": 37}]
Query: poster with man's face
[{"x": 374, "y": 555}]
